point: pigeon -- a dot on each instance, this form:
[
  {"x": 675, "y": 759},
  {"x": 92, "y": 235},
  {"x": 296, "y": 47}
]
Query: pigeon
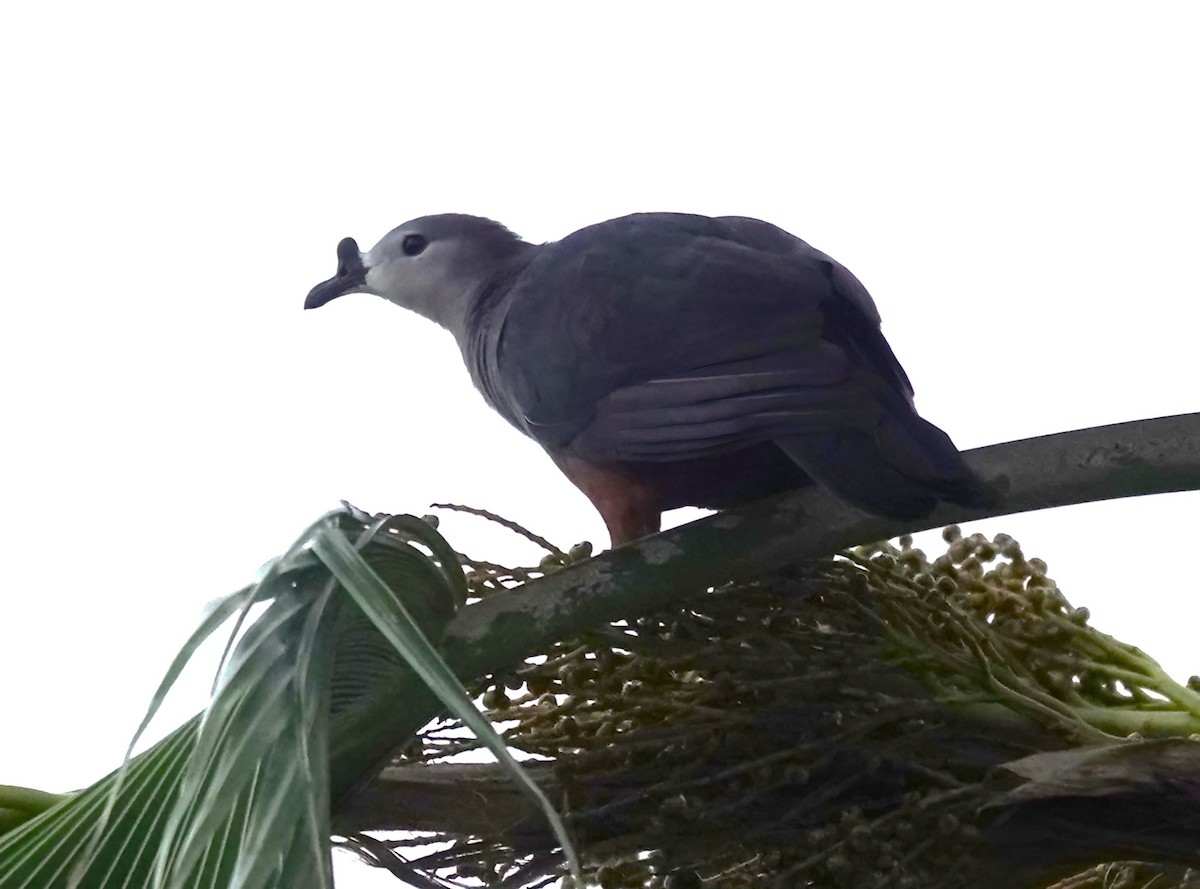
[{"x": 665, "y": 360}]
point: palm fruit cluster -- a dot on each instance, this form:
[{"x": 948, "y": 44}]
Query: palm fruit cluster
[{"x": 835, "y": 724}]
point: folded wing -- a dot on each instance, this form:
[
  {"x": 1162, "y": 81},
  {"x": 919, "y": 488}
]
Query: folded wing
[{"x": 663, "y": 337}]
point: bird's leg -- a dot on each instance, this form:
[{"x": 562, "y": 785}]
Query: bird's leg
[{"x": 630, "y": 508}]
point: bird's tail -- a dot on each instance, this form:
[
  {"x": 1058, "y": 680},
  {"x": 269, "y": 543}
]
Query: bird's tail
[{"x": 901, "y": 470}]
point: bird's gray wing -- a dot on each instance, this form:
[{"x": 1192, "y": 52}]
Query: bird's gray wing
[
  {"x": 663, "y": 336},
  {"x": 781, "y": 393},
  {"x": 852, "y": 315}
]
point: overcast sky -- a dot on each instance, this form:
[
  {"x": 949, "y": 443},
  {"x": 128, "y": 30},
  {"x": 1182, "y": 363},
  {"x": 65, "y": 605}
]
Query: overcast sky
[{"x": 1017, "y": 185}]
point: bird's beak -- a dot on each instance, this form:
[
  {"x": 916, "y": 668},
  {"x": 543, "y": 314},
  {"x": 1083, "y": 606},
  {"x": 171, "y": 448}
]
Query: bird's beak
[{"x": 351, "y": 276}]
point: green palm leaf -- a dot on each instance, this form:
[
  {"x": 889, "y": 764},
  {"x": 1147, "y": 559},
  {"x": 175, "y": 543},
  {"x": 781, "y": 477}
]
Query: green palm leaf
[{"x": 240, "y": 796}]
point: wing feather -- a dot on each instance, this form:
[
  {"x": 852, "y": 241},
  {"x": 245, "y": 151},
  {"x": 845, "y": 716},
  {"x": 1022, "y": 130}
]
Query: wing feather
[{"x": 664, "y": 336}]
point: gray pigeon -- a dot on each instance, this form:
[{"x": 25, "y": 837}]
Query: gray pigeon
[{"x": 666, "y": 360}]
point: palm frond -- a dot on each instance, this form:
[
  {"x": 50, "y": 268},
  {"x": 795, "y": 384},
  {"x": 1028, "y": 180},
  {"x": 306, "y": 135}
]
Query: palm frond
[{"x": 240, "y": 795}]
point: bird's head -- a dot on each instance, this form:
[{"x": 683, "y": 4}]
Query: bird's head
[{"x": 432, "y": 265}]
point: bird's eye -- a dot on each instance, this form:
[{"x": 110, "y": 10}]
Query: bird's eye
[{"x": 413, "y": 244}]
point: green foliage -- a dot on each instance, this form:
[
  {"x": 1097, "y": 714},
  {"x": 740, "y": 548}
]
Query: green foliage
[{"x": 241, "y": 795}]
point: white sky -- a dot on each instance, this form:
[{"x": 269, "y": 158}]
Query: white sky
[{"x": 1017, "y": 186}]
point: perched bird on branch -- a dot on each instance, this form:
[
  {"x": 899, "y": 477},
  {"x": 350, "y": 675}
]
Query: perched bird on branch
[{"x": 666, "y": 360}]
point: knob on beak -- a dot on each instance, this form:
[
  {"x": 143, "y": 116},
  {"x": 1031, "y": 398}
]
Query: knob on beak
[{"x": 351, "y": 276}]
